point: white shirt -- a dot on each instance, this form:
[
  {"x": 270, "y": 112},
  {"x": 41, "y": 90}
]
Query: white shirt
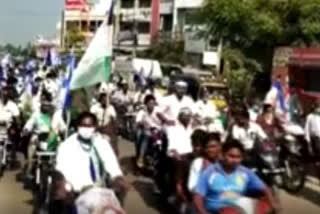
[
  {"x": 248, "y": 136},
  {"x": 253, "y": 115},
  {"x": 179, "y": 139},
  {"x": 206, "y": 109},
  {"x": 312, "y": 126},
  {"x": 151, "y": 120},
  {"x": 172, "y": 105},
  {"x": 104, "y": 115},
  {"x": 74, "y": 162},
  {"x": 271, "y": 97},
  {"x": 121, "y": 97},
  {"x": 194, "y": 173},
  {"x": 139, "y": 97},
  {"x": 10, "y": 108}
]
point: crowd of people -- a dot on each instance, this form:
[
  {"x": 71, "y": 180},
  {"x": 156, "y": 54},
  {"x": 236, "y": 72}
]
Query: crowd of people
[{"x": 201, "y": 152}]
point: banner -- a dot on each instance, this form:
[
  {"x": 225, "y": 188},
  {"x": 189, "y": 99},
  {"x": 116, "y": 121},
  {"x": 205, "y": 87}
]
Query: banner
[{"x": 76, "y": 5}]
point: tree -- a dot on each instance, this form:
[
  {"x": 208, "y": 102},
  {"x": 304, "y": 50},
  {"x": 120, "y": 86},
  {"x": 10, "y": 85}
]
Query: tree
[
  {"x": 255, "y": 28},
  {"x": 168, "y": 51},
  {"x": 75, "y": 38}
]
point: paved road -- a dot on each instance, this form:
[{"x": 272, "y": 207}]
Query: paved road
[{"x": 14, "y": 200}]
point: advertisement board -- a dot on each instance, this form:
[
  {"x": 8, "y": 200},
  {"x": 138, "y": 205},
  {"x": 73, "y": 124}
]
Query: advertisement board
[{"x": 76, "y": 5}]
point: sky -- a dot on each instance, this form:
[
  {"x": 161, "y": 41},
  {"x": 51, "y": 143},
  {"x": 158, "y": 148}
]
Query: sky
[{"x": 22, "y": 20}]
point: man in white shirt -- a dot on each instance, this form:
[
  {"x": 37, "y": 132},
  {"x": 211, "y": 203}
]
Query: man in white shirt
[
  {"x": 148, "y": 120},
  {"x": 172, "y": 104},
  {"x": 122, "y": 96},
  {"x": 312, "y": 130},
  {"x": 103, "y": 110},
  {"x": 247, "y": 132},
  {"x": 106, "y": 115},
  {"x": 85, "y": 157},
  {"x": 179, "y": 135},
  {"x": 208, "y": 115},
  {"x": 7, "y": 106}
]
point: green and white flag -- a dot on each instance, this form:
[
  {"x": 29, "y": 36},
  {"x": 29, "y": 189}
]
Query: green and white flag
[{"x": 95, "y": 65}]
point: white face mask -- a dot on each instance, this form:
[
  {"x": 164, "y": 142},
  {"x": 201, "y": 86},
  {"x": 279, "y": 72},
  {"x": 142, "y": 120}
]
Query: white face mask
[{"x": 86, "y": 132}]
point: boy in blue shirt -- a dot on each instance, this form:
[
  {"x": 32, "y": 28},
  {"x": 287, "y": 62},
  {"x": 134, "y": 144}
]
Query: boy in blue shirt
[{"x": 223, "y": 183}]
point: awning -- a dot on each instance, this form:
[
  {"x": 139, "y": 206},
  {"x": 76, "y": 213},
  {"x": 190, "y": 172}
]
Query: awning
[{"x": 305, "y": 58}]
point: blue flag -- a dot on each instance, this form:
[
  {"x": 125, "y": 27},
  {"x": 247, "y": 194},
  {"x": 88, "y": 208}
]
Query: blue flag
[{"x": 65, "y": 91}]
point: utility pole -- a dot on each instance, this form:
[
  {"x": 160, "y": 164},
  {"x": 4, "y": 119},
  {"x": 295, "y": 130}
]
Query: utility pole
[
  {"x": 118, "y": 19},
  {"x": 135, "y": 28}
]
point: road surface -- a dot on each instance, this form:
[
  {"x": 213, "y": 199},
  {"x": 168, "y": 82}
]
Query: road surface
[{"x": 15, "y": 200}]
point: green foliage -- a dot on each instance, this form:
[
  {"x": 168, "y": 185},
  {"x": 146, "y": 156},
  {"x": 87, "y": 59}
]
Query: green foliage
[
  {"x": 75, "y": 38},
  {"x": 251, "y": 28},
  {"x": 168, "y": 51},
  {"x": 18, "y": 50}
]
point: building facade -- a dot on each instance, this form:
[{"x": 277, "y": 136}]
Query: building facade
[{"x": 136, "y": 21}]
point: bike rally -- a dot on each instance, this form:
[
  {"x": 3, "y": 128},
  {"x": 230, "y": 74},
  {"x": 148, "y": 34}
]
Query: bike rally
[{"x": 93, "y": 124}]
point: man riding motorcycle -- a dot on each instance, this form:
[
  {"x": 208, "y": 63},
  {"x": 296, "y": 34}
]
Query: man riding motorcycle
[
  {"x": 107, "y": 120},
  {"x": 172, "y": 104},
  {"x": 148, "y": 121},
  {"x": 91, "y": 159},
  {"x": 247, "y": 132},
  {"x": 38, "y": 124},
  {"x": 10, "y": 118},
  {"x": 207, "y": 114},
  {"x": 222, "y": 187}
]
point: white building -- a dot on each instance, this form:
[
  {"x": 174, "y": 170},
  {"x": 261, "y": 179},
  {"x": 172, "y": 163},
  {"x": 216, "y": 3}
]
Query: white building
[{"x": 133, "y": 20}]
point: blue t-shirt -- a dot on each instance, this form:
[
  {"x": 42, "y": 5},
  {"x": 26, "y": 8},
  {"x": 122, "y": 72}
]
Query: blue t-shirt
[{"x": 221, "y": 189}]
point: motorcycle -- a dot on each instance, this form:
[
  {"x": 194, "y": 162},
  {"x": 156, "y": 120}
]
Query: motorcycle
[
  {"x": 154, "y": 151},
  {"x": 6, "y": 155},
  {"x": 265, "y": 162},
  {"x": 44, "y": 166},
  {"x": 293, "y": 153}
]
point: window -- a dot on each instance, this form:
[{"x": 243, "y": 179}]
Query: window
[
  {"x": 143, "y": 27},
  {"x": 312, "y": 76},
  {"x": 127, "y": 4},
  {"x": 84, "y": 26},
  {"x": 145, "y": 3},
  {"x": 72, "y": 25},
  {"x": 93, "y": 26}
]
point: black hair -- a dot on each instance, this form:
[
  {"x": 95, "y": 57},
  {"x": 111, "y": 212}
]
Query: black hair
[
  {"x": 198, "y": 137},
  {"x": 212, "y": 136},
  {"x": 244, "y": 114},
  {"x": 102, "y": 95},
  {"x": 87, "y": 114},
  {"x": 266, "y": 107},
  {"x": 46, "y": 95},
  {"x": 148, "y": 98},
  {"x": 233, "y": 144}
]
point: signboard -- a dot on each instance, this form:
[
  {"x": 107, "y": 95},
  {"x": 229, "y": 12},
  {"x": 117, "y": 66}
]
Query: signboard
[
  {"x": 194, "y": 44},
  {"x": 210, "y": 58},
  {"x": 189, "y": 3},
  {"x": 76, "y": 5}
]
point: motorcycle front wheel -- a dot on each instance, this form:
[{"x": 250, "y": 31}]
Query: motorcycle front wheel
[
  {"x": 295, "y": 175},
  {"x": 2, "y": 166}
]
